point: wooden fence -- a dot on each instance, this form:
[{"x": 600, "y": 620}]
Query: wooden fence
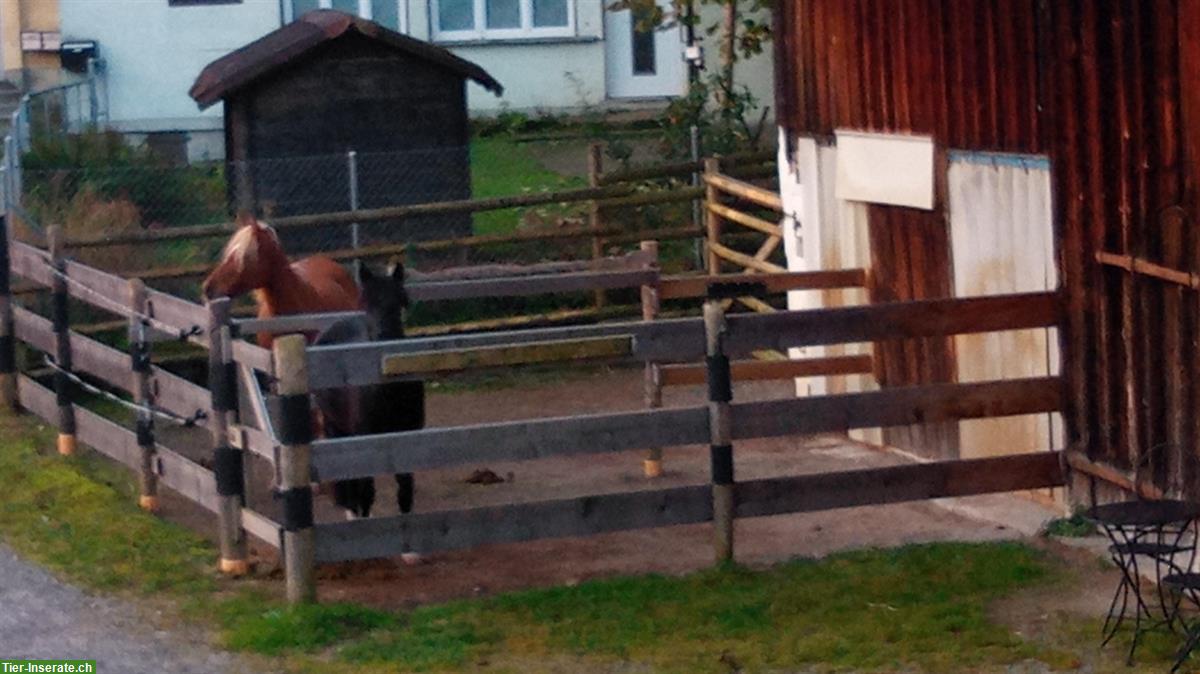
[
  {"x": 668, "y": 347},
  {"x": 716, "y": 338}
]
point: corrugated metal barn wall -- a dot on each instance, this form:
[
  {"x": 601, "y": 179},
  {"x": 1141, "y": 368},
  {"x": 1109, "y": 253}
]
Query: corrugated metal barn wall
[{"x": 1096, "y": 85}]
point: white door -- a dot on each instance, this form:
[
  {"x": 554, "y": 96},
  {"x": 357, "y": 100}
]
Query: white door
[{"x": 642, "y": 64}]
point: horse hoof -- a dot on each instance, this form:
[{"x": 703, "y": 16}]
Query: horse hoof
[{"x": 412, "y": 558}]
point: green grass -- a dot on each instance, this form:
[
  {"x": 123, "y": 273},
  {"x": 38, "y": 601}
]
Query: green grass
[
  {"x": 77, "y": 516},
  {"x": 1075, "y": 526},
  {"x": 501, "y": 167},
  {"x": 916, "y": 608}
]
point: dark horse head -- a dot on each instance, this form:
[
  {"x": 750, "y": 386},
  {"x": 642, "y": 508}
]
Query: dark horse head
[
  {"x": 385, "y": 300},
  {"x": 382, "y": 408}
]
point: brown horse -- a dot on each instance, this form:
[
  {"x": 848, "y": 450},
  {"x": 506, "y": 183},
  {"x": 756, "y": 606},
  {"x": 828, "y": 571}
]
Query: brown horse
[{"x": 254, "y": 261}]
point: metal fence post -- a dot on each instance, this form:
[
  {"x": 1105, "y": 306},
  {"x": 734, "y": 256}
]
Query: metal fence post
[
  {"x": 295, "y": 435},
  {"x": 93, "y": 100},
  {"x": 228, "y": 468},
  {"x": 143, "y": 395},
  {"x": 720, "y": 393},
  {"x": 352, "y": 173},
  {"x": 697, "y": 203},
  {"x": 8, "y": 355},
  {"x": 62, "y": 343}
]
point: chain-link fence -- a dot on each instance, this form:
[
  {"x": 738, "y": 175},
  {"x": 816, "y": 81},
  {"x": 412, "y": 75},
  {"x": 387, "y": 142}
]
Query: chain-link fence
[{"x": 137, "y": 215}]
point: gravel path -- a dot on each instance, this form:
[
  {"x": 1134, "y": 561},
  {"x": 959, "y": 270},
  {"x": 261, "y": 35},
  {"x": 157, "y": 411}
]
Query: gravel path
[{"x": 43, "y": 618}]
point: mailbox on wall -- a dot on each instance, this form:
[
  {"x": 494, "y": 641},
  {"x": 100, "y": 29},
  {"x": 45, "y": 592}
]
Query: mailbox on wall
[{"x": 75, "y": 54}]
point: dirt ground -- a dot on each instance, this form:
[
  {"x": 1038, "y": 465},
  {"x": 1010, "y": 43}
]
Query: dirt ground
[{"x": 760, "y": 541}]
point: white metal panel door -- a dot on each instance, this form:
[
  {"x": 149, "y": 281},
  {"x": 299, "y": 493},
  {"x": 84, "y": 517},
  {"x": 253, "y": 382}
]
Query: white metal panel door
[
  {"x": 1003, "y": 242},
  {"x": 642, "y": 64}
]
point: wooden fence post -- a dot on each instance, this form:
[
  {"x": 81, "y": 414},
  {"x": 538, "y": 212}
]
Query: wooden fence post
[
  {"x": 651, "y": 378},
  {"x": 720, "y": 393},
  {"x": 294, "y": 429},
  {"x": 228, "y": 468},
  {"x": 143, "y": 395},
  {"x": 595, "y": 219},
  {"x": 62, "y": 343},
  {"x": 8, "y": 346},
  {"x": 712, "y": 221}
]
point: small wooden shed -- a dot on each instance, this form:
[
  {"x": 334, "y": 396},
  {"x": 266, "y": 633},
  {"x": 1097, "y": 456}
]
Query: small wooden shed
[{"x": 301, "y": 99}]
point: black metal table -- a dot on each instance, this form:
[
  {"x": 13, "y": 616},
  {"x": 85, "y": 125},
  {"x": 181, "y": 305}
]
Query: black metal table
[{"x": 1160, "y": 530}]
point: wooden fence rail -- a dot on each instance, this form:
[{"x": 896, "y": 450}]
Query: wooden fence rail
[
  {"x": 359, "y": 456},
  {"x": 182, "y": 475}
]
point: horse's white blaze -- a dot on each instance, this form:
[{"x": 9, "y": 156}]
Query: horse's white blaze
[{"x": 243, "y": 248}]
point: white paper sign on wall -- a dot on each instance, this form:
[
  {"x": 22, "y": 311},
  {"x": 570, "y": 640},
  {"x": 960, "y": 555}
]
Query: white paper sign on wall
[{"x": 882, "y": 168}]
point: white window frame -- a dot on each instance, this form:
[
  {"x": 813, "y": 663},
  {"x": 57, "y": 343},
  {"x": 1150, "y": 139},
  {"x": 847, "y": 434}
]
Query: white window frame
[
  {"x": 527, "y": 31},
  {"x": 365, "y": 10}
]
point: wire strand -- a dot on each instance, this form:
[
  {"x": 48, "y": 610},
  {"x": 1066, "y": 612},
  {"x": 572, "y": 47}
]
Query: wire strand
[
  {"x": 179, "y": 420},
  {"x": 118, "y": 308}
]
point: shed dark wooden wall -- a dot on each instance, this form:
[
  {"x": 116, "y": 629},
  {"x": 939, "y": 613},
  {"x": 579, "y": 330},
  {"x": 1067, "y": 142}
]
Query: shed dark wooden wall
[
  {"x": 1108, "y": 89},
  {"x": 354, "y": 93}
]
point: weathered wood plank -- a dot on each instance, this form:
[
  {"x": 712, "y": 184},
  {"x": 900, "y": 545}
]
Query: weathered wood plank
[
  {"x": 669, "y": 340},
  {"x": 177, "y": 312},
  {"x": 37, "y": 399},
  {"x": 521, "y": 286},
  {"x": 261, "y": 527},
  {"x": 31, "y": 263},
  {"x": 747, "y": 261},
  {"x": 178, "y": 395},
  {"x": 110, "y": 439},
  {"x": 744, "y": 190},
  {"x": 100, "y": 360},
  {"x": 1117, "y": 477},
  {"x": 1138, "y": 265},
  {"x": 252, "y": 355},
  {"x": 189, "y": 479},
  {"x": 634, "y": 260},
  {"x": 757, "y": 370},
  {"x": 34, "y": 330},
  {"x": 893, "y": 320},
  {"x": 109, "y": 286},
  {"x": 896, "y": 407},
  {"x": 410, "y": 451},
  {"x": 745, "y": 219},
  {"x": 88, "y": 356},
  {"x": 893, "y": 484},
  {"x": 458, "y": 529},
  {"x": 672, "y": 287},
  {"x": 506, "y": 356},
  {"x": 282, "y": 325}
]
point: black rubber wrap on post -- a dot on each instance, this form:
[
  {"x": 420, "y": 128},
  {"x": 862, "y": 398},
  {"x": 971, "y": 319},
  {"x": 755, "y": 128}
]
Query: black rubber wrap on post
[
  {"x": 293, "y": 416},
  {"x": 297, "y": 508},
  {"x": 722, "y": 464},
  {"x": 144, "y": 429},
  {"x": 228, "y": 471},
  {"x": 720, "y": 384},
  {"x": 8, "y": 355}
]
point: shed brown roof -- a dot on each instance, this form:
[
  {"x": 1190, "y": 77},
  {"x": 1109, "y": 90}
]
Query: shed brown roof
[{"x": 277, "y": 48}]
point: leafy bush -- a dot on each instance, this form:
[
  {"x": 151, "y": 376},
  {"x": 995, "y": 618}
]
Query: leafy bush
[{"x": 59, "y": 168}]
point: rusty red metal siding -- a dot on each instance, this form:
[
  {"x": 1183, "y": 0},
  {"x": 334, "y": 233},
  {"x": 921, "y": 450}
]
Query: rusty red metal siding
[{"x": 1109, "y": 90}]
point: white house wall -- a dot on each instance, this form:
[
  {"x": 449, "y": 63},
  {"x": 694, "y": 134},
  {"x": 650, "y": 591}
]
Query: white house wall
[
  {"x": 154, "y": 52},
  {"x": 536, "y": 74},
  {"x": 824, "y": 232},
  {"x": 1002, "y": 242}
]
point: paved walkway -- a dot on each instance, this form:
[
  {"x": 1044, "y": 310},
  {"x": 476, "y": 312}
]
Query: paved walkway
[{"x": 43, "y": 618}]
